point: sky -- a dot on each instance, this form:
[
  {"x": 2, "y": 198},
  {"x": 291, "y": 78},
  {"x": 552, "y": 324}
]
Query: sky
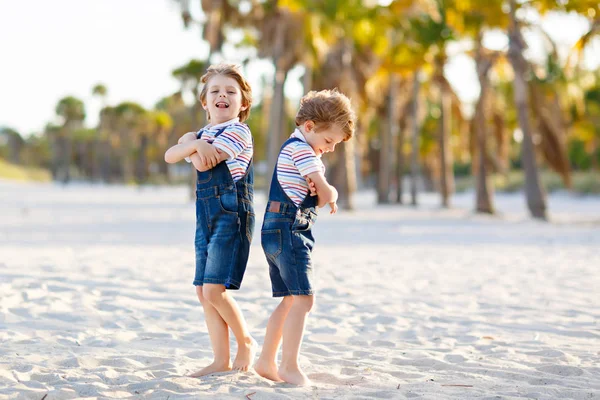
[{"x": 52, "y": 49}]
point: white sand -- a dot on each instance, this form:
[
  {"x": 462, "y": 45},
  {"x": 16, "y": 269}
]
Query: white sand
[{"x": 96, "y": 300}]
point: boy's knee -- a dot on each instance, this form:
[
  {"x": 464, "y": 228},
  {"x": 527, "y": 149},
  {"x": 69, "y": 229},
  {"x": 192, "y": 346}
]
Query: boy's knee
[
  {"x": 288, "y": 300},
  {"x": 213, "y": 293},
  {"x": 305, "y": 303}
]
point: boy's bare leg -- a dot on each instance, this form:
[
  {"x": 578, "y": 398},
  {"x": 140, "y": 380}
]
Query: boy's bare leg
[
  {"x": 219, "y": 338},
  {"x": 232, "y": 315},
  {"x": 266, "y": 365},
  {"x": 293, "y": 331}
]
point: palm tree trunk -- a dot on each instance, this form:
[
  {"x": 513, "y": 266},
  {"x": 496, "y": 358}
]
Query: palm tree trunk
[
  {"x": 95, "y": 161},
  {"x": 414, "y": 157},
  {"x": 387, "y": 136},
  {"x": 142, "y": 160},
  {"x": 307, "y": 79},
  {"x": 536, "y": 199},
  {"x": 344, "y": 174},
  {"x": 275, "y": 120},
  {"x": 446, "y": 173},
  {"x": 383, "y": 175},
  {"x": 66, "y": 159},
  {"x": 484, "y": 189},
  {"x": 347, "y": 161},
  {"x": 400, "y": 161},
  {"x": 105, "y": 160},
  {"x": 56, "y": 148}
]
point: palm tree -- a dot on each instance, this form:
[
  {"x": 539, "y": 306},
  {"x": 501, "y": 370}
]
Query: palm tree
[
  {"x": 99, "y": 90},
  {"x": 280, "y": 33},
  {"x": 414, "y": 158},
  {"x": 155, "y": 130},
  {"x": 181, "y": 122},
  {"x": 472, "y": 20},
  {"x": 130, "y": 122},
  {"x": 14, "y": 143},
  {"x": 72, "y": 112},
  {"x": 218, "y": 15},
  {"x": 189, "y": 75},
  {"x": 484, "y": 189},
  {"x": 534, "y": 192},
  {"x": 338, "y": 37}
]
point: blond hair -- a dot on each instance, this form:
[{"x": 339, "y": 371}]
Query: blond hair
[
  {"x": 231, "y": 71},
  {"x": 326, "y": 108}
]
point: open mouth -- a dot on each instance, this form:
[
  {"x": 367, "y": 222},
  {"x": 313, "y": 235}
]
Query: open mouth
[{"x": 222, "y": 104}]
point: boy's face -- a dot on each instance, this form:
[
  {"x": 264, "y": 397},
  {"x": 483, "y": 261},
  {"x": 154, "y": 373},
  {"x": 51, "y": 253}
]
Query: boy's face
[
  {"x": 322, "y": 140},
  {"x": 223, "y": 99}
]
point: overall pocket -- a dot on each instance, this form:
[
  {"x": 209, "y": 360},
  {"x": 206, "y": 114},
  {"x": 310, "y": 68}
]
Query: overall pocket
[
  {"x": 228, "y": 202},
  {"x": 271, "y": 243},
  {"x": 304, "y": 221}
]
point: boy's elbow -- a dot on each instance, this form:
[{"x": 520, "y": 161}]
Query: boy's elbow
[{"x": 169, "y": 158}]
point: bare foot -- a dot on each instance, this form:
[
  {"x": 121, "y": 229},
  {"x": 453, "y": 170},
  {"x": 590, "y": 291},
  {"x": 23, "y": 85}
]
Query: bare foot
[
  {"x": 212, "y": 368},
  {"x": 245, "y": 355},
  {"x": 294, "y": 376},
  {"x": 267, "y": 370}
]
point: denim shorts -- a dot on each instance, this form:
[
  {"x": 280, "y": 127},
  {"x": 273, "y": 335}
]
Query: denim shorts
[
  {"x": 218, "y": 239},
  {"x": 287, "y": 241}
]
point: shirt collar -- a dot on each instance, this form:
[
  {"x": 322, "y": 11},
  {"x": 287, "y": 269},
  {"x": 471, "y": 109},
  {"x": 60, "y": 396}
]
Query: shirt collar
[
  {"x": 298, "y": 134},
  {"x": 222, "y": 124}
]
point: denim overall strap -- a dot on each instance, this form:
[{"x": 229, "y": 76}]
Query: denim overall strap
[
  {"x": 218, "y": 177},
  {"x": 277, "y": 194}
]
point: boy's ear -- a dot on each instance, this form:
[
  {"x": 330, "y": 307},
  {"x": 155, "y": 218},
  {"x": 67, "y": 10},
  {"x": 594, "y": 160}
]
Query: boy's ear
[
  {"x": 309, "y": 126},
  {"x": 244, "y": 107}
]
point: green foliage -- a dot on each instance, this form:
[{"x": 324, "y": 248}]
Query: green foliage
[
  {"x": 462, "y": 169},
  {"x": 11, "y": 144},
  {"x": 70, "y": 109},
  {"x": 579, "y": 157},
  {"x": 99, "y": 90}
]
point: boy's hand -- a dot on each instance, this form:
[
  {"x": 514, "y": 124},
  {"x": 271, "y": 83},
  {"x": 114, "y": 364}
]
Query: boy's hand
[
  {"x": 188, "y": 137},
  {"x": 334, "y": 207},
  {"x": 311, "y": 186},
  {"x": 208, "y": 154}
]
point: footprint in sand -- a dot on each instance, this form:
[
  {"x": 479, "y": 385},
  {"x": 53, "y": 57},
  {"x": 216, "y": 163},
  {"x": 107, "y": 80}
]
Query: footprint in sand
[
  {"x": 562, "y": 370},
  {"x": 454, "y": 358}
]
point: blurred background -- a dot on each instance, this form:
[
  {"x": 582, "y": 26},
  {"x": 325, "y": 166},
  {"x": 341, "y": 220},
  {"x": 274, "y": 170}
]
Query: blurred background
[{"x": 451, "y": 95}]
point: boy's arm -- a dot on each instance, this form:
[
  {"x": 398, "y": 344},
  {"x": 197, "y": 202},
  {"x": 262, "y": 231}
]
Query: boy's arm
[
  {"x": 207, "y": 156},
  {"x": 188, "y": 137},
  {"x": 202, "y": 166},
  {"x": 180, "y": 151},
  {"x": 203, "y": 155},
  {"x": 325, "y": 192}
]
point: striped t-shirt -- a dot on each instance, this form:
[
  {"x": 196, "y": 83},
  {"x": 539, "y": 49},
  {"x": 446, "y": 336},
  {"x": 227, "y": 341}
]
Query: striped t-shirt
[
  {"x": 297, "y": 160},
  {"x": 235, "y": 141}
]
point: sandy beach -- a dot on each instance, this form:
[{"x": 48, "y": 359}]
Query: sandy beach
[{"x": 96, "y": 300}]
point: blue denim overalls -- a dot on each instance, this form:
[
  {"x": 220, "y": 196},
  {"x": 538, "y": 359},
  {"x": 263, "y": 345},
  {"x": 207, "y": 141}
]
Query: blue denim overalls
[
  {"x": 287, "y": 239},
  {"x": 224, "y": 224}
]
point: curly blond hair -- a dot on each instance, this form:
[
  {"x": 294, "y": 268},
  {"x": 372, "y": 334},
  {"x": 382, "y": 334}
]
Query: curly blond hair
[
  {"x": 231, "y": 71},
  {"x": 326, "y": 108}
]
